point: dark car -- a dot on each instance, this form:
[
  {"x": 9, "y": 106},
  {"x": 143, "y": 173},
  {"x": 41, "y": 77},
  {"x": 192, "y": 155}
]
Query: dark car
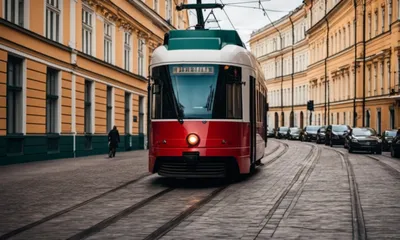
[
  {"x": 309, "y": 133},
  {"x": 293, "y": 133},
  {"x": 335, "y": 134},
  {"x": 270, "y": 132},
  {"x": 364, "y": 139},
  {"x": 281, "y": 132},
  {"x": 387, "y": 138},
  {"x": 395, "y": 147},
  {"x": 321, "y": 135}
]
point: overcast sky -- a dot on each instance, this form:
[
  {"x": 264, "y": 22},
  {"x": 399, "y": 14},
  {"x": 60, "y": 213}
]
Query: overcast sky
[{"x": 245, "y": 19}]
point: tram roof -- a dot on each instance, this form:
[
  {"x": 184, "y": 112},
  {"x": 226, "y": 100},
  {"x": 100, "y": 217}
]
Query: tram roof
[{"x": 201, "y": 39}]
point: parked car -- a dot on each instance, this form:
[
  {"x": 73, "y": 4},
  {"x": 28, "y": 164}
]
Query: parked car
[
  {"x": 335, "y": 134},
  {"x": 395, "y": 147},
  {"x": 270, "y": 132},
  {"x": 281, "y": 132},
  {"x": 321, "y": 135},
  {"x": 364, "y": 139},
  {"x": 293, "y": 133},
  {"x": 387, "y": 138},
  {"x": 309, "y": 133}
]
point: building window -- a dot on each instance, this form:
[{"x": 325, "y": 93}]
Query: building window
[
  {"x": 53, "y": 20},
  {"x": 127, "y": 113},
  {"x": 88, "y": 106},
  {"x": 382, "y": 76},
  {"x": 369, "y": 26},
  {"x": 392, "y": 118},
  {"x": 398, "y": 9},
  {"x": 14, "y": 95},
  {"x": 168, "y": 10},
  {"x": 375, "y": 79},
  {"x": 107, "y": 42},
  {"x": 389, "y": 77},
  {"x": 52, "y": 101},
  {"x": 383, "y": 18},
  {"x": 398, "y": 71},
  {"x": 87, "y": 31},
  {"x": 109, "y": 107},
  {"x": 155, "y": 5},
  {"x": 141, "y": 115},
  {"x": 390, "y": 13},
  {"x": 376, "y": 22},
  {"x": 14, "y": 11},
  {"x": 369, "y": 81},
  {"x": 350, "y": 34},
  {"x": 127, "y": 51},
  {"x": 141, "y": 49}
]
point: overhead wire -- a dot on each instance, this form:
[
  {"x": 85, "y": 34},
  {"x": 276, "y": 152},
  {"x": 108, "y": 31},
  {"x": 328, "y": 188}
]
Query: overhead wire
[
  {"x": 227, "y": 15},
  {"x": 269, "y": 10}
]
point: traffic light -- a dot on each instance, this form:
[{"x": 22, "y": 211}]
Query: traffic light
[{"x": 310, "y": 105}]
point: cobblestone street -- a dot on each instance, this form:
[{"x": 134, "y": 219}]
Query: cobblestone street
[{"x": 302, "y": 191}]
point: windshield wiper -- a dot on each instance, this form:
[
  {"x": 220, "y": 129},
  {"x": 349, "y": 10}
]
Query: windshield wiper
[{"x": 177, "y": 106}]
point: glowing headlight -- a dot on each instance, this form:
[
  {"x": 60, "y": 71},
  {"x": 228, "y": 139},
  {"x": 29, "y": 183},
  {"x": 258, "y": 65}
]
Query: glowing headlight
[{"x": 192, "y": 139}]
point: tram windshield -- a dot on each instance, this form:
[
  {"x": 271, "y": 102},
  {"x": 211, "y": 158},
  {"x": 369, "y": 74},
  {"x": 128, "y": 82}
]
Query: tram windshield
[{"x": 197, "y": 92}]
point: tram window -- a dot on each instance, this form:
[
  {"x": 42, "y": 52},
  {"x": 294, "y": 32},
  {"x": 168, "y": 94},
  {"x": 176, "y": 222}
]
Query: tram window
[
  {"x": 197, "y": 92},
  {"x": 233, "y": 101}
]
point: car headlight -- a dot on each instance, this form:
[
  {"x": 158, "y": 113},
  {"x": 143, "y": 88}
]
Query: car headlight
[
  {"x": 335, "y": 136},
  {"x": 354, "y": 140},
  {"x": 379, "y": 140},
  {"x": 390, "y": 141},
  {"x": 322, "y": 134}
]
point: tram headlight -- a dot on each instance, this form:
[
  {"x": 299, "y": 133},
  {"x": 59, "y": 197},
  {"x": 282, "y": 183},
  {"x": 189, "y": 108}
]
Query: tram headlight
[{"x": 192, "y": 139}]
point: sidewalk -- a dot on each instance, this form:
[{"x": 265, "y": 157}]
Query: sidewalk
[{"x": 31, "y": 191}]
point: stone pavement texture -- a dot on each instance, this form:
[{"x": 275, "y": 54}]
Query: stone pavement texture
[
  {"x": 31, "y": 191},
  {"x": 379, "y": 188},
  {"x": 303, "y": 194}
]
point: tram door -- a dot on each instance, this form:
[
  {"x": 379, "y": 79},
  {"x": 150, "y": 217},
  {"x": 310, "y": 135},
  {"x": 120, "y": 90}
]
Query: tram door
[{"x": 252, "y": 107}]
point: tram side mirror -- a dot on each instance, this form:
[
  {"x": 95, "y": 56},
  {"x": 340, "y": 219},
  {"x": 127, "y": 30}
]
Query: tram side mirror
[{"x": 156, "y": 89}]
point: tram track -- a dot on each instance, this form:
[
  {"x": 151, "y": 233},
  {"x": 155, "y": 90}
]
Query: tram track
[
  {"x": 158, "y": 233},
  {"x": 69, "y": 209},
  {"x": 114, "y": 218},
  {"x": 170, "y": 225},
  {"x": 388, "y": 167},
  {"x": 309, "y": 161},
  {"x": 285, "y": 149},
  {"x": 358, "y": 223}
]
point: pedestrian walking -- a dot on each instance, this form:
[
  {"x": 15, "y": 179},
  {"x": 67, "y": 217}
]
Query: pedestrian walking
[{"x": 113, "y": 140}]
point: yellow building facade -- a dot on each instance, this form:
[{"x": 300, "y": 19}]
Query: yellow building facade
[
  {"x": 282, "y": 50},
  {"x": 72, "y": 69},
  {"x": 352, "y": 70}
]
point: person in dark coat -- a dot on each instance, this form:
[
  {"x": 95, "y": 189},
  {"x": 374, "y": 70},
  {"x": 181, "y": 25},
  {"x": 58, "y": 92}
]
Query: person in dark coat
[{"x": 113, "y": 140}]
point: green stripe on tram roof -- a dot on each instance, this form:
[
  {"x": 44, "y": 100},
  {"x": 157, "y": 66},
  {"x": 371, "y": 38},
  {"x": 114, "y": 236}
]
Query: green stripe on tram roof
[{"x": 202, "y": 39}]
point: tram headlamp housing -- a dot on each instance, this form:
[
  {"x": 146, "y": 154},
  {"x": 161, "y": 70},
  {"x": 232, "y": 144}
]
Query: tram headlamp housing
[{"x": 192, "y": 139}]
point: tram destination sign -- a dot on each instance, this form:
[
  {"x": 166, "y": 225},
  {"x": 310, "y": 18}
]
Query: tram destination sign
[{"x": 193, "y": 70}]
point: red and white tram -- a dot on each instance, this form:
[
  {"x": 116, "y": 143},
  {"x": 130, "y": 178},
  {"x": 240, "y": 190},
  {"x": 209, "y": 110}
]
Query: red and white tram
[{"x": 207, "y": 106}]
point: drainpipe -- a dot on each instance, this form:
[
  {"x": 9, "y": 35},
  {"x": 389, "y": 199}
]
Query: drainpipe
[
  {"x": 326, "y": 105},
  {"x": 292, "y": 75},
  {"x": 355, "y": 64},
  {"x": 280, "y": 36},
  {"x": 363, "y": 103}
]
